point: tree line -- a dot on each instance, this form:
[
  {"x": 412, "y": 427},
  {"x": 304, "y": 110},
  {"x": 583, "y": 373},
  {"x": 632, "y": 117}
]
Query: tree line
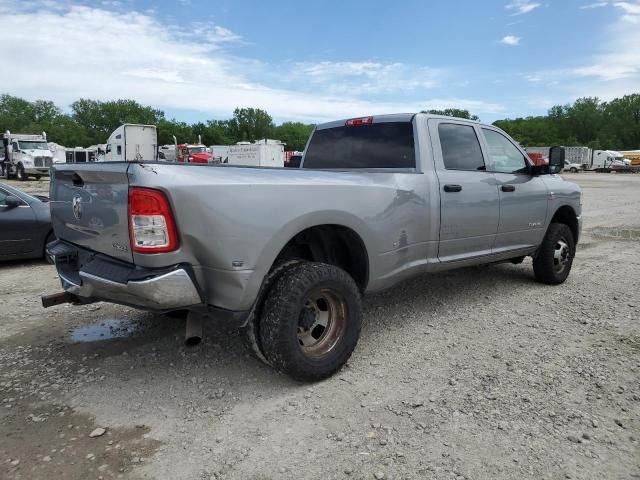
[
  {"x": 613, "y": 125},
  {"x": 90, "y": 122}
]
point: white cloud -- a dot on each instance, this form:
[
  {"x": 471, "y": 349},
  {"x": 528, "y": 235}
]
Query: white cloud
[
  {"x": 613, "y": 71},
  {"x": 520, "y": 7},
  {"x": 620, "y": 55},
  {"x": 594, "y": 5},
  {"x": 361, "y": 78},
  {"x": 510, "y": 40},
  {"x": 629, "y": 8},
  {"x": 73, "y": 51}
]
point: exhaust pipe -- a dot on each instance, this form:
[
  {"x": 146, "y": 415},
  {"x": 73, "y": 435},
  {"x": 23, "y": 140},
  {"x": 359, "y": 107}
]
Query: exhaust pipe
[
  {"x": 193, "y": 332},
  {"x": 58, "y": 299}
]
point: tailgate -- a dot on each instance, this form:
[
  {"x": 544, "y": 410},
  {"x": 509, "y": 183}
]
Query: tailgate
[{"x": 89, "y": 206}]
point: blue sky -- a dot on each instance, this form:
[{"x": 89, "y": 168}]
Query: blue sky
[{"x": 319, "y": 60}]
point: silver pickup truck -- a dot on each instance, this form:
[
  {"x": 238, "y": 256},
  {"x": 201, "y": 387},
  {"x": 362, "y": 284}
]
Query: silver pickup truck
[{"x": 287, "y": 254}]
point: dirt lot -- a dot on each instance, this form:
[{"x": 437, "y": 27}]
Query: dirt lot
[{"x": 474, "y": 374}]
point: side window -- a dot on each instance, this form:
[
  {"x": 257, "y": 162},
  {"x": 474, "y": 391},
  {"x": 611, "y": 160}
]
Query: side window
[
  {"x": 504, "y": 156},
  {"x": 119, "y": 150},
  {"x": 3, "y": 197},
  {"x": 108, "y": 149},
  {"x": 15, "y": 147},
  {"x": 460, "y": 147}
]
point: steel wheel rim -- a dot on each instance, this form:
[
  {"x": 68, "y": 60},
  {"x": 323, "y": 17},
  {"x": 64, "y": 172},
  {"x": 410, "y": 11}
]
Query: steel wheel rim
[
  {"x": 561, "y": 255},
  {"x": 321, "y": 323}
]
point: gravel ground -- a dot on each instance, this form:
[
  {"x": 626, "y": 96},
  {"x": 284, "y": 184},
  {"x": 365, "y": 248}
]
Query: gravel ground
[{"x": 479, "y": 373}]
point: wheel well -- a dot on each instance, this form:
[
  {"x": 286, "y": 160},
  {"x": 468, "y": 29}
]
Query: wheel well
[
  {"x": 567, "y": 216},
  {"x": 333, "y": 244}
]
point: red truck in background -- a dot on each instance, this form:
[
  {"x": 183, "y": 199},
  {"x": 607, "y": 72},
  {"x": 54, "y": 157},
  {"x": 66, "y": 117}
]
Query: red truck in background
[
  {"x": 539, "y": 156},
  {"x": 186, "y": 153}
]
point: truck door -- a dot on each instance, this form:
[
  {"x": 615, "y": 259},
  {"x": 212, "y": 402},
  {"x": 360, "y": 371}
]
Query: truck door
[
  {"x": 469, "y": 203},
  {"x": 523, "y": 197}
]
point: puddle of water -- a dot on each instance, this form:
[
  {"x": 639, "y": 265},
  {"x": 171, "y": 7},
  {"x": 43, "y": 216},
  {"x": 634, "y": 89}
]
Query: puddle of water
[{"x": 105, "y": 330}]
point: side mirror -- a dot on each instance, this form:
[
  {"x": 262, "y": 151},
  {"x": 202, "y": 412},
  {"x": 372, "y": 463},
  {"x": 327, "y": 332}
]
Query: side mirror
[
  {"x": 12, "y": 202},
  {"x": 556, "y": 159}
]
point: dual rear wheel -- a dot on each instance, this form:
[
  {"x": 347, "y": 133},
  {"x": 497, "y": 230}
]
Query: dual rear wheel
[{"x": 309, "y": 322}]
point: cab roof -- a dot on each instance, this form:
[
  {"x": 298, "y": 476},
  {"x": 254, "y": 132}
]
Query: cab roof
[{"x": 393, "y": 117}]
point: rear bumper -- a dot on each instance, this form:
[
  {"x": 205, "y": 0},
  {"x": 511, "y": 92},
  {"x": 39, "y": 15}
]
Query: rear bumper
[
  {"x": 170, "y": 291},
  {"x": 95, "y": 277}
]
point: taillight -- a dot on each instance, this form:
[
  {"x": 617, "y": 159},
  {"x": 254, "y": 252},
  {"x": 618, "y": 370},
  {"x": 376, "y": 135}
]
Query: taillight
[
  {"x": 152, "y": 228},
  {"x": 353, "y": 122}
]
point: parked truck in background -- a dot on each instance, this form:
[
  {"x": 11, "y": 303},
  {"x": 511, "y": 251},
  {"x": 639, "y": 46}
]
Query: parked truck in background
[
  {"x": 132, "y": 142},
  {"x": 220, "y": 153},
  {"x": 189, "y": 153},
  {"x": 286, "y": 254},
  {"x": 262, "y": 153},
  {"x": 584, "y": 158},
  {"x": 608, "y": 161},
  {"x": 185, "y": 152},
  {"x": 24, "y": 155},
  {"x": 633, "y": 156}
]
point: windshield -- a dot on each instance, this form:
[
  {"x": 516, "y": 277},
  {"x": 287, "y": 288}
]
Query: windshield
[
  {"x": 29, "y": 145},
  {"x": 197, "y": 149}
]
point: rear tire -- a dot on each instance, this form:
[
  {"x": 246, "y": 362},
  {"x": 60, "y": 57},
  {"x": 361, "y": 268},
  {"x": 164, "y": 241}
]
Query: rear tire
[
  {"x": 573, "y": 170},
  {"x": 311, "y": 321},
  {"x": 552, "y": 263},
  {"x": 20, "y": 173},
  {"x": 250, "y": 333}
]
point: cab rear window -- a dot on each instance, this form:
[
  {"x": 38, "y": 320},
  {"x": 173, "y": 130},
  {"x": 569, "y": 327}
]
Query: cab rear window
[{"x": 380, "y": 145}]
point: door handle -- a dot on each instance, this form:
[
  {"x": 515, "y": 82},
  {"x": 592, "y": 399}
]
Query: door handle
[
  {"x": 508, "y": 188},
  {"x": 452, "y": 188}
]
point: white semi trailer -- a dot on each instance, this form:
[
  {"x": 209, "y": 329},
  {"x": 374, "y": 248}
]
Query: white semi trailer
[
  {"x": 263, "y": 153},
  {"x": 220, "y": 153},
  {"x": 132, "y": 142},
  {"x": 608, "y": 161}
]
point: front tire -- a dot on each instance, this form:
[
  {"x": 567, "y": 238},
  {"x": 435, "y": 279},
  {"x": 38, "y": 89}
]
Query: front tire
[
  {"x": 20, "y": 173},
  {"x": 573, "y": 170},
  {"x": 311, "y": 321},
  {"x": 554, "y": 259}
]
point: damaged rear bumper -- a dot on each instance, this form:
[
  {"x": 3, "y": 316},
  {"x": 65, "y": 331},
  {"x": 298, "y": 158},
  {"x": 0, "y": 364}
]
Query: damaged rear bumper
[{"x": 95, "y": 277}]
